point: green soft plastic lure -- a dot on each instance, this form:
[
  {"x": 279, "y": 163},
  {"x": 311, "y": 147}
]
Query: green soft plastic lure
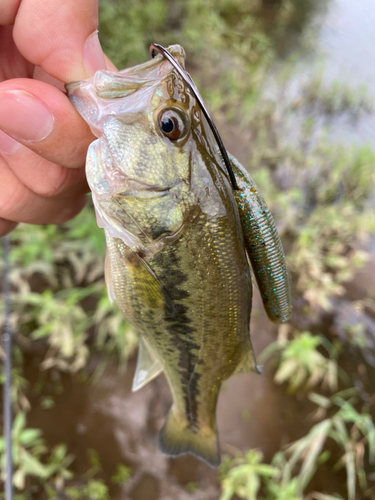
[
  {"x": 182, "y": 221},
  {"x": 263, "y": 246}
]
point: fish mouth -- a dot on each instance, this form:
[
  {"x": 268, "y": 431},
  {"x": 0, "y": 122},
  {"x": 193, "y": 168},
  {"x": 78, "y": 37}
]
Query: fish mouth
[{"x": 137, "y": 189}]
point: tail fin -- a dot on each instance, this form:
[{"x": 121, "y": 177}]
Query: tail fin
[{"x": 178, "y": 436}]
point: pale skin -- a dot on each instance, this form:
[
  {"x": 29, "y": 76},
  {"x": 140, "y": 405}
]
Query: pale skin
[{"x": 43, "y": 140}]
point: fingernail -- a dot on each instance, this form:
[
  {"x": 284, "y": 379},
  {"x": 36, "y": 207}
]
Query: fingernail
[
  {"x": 8, "y": 145},
  {"x": 24, "y": 117},
  {"x": 93, "y": 57}
]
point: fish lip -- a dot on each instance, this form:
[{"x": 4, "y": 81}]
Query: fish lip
[
  {"x": 163, "y": 66},
  {"x": 142, "y": 189},
  {"x": 96, "y": 98}
]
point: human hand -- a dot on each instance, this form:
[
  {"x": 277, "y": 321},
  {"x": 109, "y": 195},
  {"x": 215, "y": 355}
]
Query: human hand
[{"x": 43, "y": 139}]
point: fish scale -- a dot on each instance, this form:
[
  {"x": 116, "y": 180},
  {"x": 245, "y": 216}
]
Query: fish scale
[
  {"x": 178, "y": 241},
  {"x": 204, "y": 342}
]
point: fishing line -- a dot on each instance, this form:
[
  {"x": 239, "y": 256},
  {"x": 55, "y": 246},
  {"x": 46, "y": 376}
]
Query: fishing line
[
  {"x": 155, "y": 47},
  {"x": 7, "y": 389}
]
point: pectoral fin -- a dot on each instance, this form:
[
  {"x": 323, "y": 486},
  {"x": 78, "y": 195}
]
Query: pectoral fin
[
  {"x": 148, "y": 286},
  {"x": 108, "y": 278},
  {"x": 148, "y": 367}
]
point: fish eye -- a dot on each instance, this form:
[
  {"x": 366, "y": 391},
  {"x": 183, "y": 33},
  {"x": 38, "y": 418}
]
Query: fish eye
[{"x": 171, "y": 124}]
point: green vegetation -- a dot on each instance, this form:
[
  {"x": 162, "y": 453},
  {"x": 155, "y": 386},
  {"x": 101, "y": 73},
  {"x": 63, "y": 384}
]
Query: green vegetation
[
  {"x": 301, "y": 365},
  {"x": 38, "y": 468},
  {"x": 292, "y": 469},
  {"x": 244, "y": 476},
  {"x": 28, "y": 449},
  {"x": 320, "y": 193},
  {"x": 337, "y": 97},
  {"x": 121, "y": 475}
]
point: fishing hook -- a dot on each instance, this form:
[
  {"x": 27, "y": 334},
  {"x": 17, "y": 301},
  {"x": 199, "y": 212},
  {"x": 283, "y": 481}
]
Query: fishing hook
[{"x": 155, "y": 47}]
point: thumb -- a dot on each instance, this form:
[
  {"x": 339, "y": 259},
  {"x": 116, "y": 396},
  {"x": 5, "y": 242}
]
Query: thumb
[{"x": 60, "y": 37}]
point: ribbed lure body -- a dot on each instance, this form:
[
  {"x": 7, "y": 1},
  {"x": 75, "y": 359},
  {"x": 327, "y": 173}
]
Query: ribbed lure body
[{"x": 263, "y": 246}]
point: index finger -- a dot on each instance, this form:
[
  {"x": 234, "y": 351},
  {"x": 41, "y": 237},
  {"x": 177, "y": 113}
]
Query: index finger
[{"x": 60, "y": 37}]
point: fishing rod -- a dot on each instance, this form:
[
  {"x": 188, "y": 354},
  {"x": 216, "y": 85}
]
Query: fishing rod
[{"x": 7, "y": 389}]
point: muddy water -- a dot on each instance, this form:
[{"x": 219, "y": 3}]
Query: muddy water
[
  {"x": 252, "y": 411},
  {"x": 347, "y": 38},
  {"x": 123, "y": 426}
]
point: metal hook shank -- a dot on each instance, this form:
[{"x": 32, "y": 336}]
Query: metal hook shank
[{"x": 189, "y": 82}]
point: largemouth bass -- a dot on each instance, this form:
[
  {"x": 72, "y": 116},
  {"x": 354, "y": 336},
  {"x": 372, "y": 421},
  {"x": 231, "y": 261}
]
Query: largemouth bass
[{"x": 178, "y": 241}]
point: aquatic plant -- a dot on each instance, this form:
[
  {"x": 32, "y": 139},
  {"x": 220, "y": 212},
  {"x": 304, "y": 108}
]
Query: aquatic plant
[
  {"x": 29, "y": 457},
  {"x": 337, "y": 97},
  {"x": 39, "y": 468},
  {"x": 287, "y": 477},
  {"x": 243, "y": 475},
  {"x": 301, "y": 365}
]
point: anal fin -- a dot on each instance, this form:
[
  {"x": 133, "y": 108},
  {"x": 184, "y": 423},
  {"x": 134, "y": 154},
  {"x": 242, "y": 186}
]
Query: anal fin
[
  {"x": 148, "y": 286},
  {"x": 148, "y": 367}
]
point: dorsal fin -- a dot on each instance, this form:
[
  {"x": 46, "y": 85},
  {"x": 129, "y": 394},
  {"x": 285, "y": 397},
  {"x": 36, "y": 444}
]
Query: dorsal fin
[
  {"x": 148, "y": 367},
  {"x": 248, "y": 363}
]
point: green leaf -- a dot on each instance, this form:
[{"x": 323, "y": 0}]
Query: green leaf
[
  {"x": 320, "y": 400},
  {"x": 121, "y": 475},
  {"x": 319, "y": 435},
  {"x": 28, "y": 436},
  {"x": 228, "y": 491},
  {"x": 287, "y": 368},
  {"x": 252, "y": 486},
  {"x": 322, "y": 496},
  {"x": 350, "y": 471},
  {"x": 19, "y": 423},
  {"x": 371, "y": 444},
  {"x": 19, "y": 479},
  {"x": 31, "y": 465}
]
